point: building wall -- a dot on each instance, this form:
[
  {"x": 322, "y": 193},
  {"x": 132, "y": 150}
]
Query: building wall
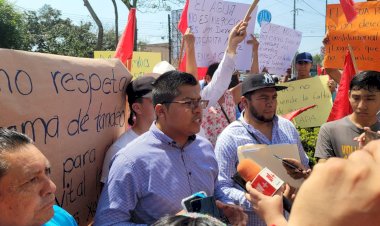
[{"x": 162, "y": 48}]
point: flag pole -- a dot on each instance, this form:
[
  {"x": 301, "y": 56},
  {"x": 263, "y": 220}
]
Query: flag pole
[{"x": 250, "y": 10}]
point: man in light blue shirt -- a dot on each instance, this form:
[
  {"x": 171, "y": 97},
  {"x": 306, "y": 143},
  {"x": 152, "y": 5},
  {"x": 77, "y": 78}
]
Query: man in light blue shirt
[
  {"x": 257, "y": 124},
  {"x": 150, "y": 176}
]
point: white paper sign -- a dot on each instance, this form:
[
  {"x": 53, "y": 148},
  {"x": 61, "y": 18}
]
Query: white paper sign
[
  {"x": 277, "y": 48},
  {"x": 211, "y": 22}
]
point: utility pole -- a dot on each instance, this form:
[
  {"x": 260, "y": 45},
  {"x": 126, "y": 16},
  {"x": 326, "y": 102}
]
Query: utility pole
[
  {"x": 294, "y": 15},
  {"x": 170, "y": 39}
]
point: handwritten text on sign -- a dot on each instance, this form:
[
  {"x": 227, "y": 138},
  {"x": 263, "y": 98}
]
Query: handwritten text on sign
[
  {"x": 303, "y": 93},
  {"x": 142, "y": 62},
  {"x": 363, "y": 34},
  {"x": 73, "y": 108},
  {"x": 211, "y": 22},
  {"x": 277, "y": 48}
]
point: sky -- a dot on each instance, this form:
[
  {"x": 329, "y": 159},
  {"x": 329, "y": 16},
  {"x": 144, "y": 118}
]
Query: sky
[{"x": 153, "y": 27}]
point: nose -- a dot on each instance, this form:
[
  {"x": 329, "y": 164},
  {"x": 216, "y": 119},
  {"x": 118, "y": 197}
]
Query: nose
[
  {"x": 48, "y": 187},
  {"x": 362, "y": 104},
  {"x": 197, "y": 108}
]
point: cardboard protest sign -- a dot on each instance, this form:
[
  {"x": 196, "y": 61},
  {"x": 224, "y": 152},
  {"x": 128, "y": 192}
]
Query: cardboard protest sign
[
  {"x": 142, "y": 62},
  {"x": 278, "y": 45},
  {"x": 362, "y": 34},
  {"x": 73, "y": 108},
  {"x": 211, "y": 22},
  {"x": 306, "y": 92}
]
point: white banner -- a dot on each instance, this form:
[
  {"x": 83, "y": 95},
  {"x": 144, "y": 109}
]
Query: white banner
[
  {"x": 211, "y": 22},
  {"x": 278, "y": 45}
]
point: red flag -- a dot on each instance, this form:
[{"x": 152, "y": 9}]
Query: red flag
[
  {"x": 290, "y": 116},
  {"x": 342, "y": 107},
  {"x": 124, "y": 50},
  {"x": 348, "y": 10},
  {"x": 182, "y": 24},
  {"x": 319, "y": 69}
]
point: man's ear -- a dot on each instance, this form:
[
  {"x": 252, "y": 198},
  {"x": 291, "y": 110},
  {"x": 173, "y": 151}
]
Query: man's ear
[
  {"x": 160, "y": 110},
  {"x": 244, "y": 102},
  {"x": 136, "y": 107}
]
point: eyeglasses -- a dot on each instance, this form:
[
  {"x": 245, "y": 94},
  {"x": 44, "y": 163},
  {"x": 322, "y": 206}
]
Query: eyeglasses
[
  {"x": 302, "y": 62},
  {"x": 192, "y": 104}
]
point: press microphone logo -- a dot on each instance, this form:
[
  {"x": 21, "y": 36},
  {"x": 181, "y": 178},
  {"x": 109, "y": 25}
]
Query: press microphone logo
[{"x": 267, "y": 182}]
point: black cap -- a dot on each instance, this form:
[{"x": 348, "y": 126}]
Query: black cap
[
  {"x": 259, "y": 81},
  {"x": 140, "y": 87},
  {"x": 304, "y": 57}
]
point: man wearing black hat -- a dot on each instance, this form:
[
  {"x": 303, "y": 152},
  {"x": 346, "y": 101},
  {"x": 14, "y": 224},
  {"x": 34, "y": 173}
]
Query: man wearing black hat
[
  {"x": 141, "y": 117},
  {"x": 258, "y": 124},
  {"x": 304, "y": 61}
]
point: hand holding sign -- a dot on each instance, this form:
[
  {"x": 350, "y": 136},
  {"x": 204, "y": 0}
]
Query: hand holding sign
[{"x": 236, "y": 36}]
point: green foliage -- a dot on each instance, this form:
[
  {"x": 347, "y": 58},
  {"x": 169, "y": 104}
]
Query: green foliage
[
  {"x": 109, "y": 40},
  {"x": 52, "y": 34},
  {"x": 317, "y": 59},
  {"x": 46, "y": 31},
  {"x": 13, "y": 32},
  {"x": 309, "y": 138}
]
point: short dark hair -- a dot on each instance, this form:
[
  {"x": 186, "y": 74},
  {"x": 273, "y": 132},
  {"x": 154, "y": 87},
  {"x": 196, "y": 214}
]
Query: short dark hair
[
  {"x": 211, "y": 69},
  {"x": 10, "y": 141},
  {"x": 367, "y": 80},
  {"x": 165, "y": 88},
  {"x": 179, "y": 220}
]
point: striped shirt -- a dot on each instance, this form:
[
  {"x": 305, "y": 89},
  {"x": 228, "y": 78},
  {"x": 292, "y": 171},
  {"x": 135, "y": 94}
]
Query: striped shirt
[
  {"x": 235, "y": 135},
  {"x": 149, "y": 178}
]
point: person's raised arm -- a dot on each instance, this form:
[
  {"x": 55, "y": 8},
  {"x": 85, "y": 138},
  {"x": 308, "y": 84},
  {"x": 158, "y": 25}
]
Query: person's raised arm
[
  {"x": 236, "y": 91},
  {"x": 255, "y": 55},
  {"x": 222, "y": 76},
  {"x": 191, "y": 63},
  {"x": 334, "y": 73}
]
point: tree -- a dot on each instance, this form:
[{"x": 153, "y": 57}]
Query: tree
[
  {"x": 13, "y": 32},
  {"x": 109, "y": 42},
  {"x": 99, "y": 43},
  {"x": 49, "y": 33},
  {"x": 317, "y": 58},
  {"x": 116, "y": 22}
]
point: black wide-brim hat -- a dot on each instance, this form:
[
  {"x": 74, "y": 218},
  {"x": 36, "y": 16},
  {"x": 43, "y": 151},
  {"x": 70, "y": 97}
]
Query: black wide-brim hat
[{"x": 259, "y": 81}]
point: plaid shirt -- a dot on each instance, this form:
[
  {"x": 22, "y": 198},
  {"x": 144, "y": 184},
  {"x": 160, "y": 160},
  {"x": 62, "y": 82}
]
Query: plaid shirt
[{"x": 235, "y": 135}]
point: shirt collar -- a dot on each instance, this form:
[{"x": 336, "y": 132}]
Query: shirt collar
[{"x": 165, "y": 138}]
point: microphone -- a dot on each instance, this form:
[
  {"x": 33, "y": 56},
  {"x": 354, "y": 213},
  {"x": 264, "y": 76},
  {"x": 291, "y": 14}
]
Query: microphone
[{"x": 263, "y": 180}]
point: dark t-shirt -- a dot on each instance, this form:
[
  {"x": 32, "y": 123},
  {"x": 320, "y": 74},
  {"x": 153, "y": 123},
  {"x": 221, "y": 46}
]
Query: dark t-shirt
[{"x": 335, "y": 139}]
